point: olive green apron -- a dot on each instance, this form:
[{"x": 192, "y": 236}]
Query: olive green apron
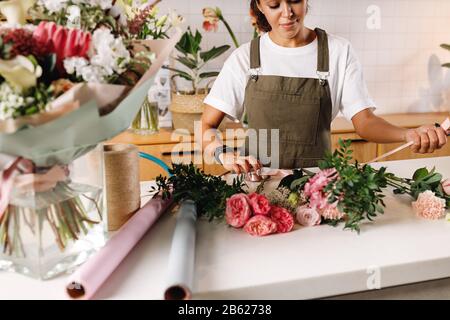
[{"x": 300, "y": 108}]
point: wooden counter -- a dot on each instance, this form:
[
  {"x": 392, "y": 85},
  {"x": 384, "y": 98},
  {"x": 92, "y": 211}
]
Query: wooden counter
[{"x": 176, "y": 146}]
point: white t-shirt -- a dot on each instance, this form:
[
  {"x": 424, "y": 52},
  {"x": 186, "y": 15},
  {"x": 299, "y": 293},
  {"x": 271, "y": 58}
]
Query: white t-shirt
[{"x": 349, "y": 92}]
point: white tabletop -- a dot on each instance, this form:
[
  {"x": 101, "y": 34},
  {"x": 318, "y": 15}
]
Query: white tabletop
[{"x": 323, "y": 261}]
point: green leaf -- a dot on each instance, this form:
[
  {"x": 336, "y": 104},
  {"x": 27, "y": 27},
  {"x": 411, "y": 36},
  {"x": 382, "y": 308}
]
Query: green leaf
[
  {"x": 213, "y": 53},
  {"x": 208, "y": 75},
  {"x": 435, "y": 178},
  {"x": 446, "y": 65},
  {"x": 188, "y": 62},
  {"x": 420, "y": 174},
  {"x": 445, "y": 46},
  {"x": 180, "y": 73}
]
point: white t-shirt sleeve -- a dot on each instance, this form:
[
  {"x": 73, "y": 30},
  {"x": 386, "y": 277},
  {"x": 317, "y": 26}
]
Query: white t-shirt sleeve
[
  {"x": 355, "y": 96},
  {"x": 228, "y": 91}
]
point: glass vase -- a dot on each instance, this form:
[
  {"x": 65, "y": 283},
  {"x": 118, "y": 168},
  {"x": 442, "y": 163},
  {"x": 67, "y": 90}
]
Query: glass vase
[
  {"x": 52, "y": 227},
  {"x": 146, "y": 121}
]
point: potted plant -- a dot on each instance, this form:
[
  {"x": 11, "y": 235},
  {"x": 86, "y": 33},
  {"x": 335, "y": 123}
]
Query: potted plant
[{"x": 187, "y": 106}]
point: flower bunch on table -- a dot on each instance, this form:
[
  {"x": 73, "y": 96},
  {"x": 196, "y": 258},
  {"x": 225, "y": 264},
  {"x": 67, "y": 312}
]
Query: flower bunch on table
[
  {"x": 428, "y": 188},
  {"x": 341, "y": 191},
  {"x": 257, "y": 215}
]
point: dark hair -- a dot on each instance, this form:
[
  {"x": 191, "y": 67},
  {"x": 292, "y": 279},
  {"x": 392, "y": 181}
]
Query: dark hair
[{"x": 261, "y": 21}]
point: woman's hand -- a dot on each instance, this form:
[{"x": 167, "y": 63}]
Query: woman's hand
[
  {"x": 426, "y": 139},
  {"x": 239, "y": 164}
]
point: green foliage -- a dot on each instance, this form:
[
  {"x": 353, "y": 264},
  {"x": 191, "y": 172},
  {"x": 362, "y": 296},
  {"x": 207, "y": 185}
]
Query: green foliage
[
  {"x": 421, "y": 181},
  {"x": 92, "y": 17},
  {"x": 359, "y": 189},
  {"x": 207, "y": 191},
  {"x": 194, "y": 59}
]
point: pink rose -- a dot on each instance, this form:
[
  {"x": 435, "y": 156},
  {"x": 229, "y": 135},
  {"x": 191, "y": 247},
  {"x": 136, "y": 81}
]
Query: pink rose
[
  {"x": 331, "y": 212},
  {"x": 446, "y": 186},
  {"x": 238, "y": 210},
  {"x": 307, "y": 216},
  {"x": 260, "y": 226},
  {"x": 259, "y": 203},
  {"x": 428, "y": 206},
  {"x": 283, "y": 219}
]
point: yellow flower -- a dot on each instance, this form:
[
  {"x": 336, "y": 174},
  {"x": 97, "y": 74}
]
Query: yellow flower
[
  {"x": 20, "y": 73},
  {"x": 15, "y": 11}
]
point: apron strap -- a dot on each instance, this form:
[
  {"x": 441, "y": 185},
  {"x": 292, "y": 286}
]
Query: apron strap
[
  {"x": 255, "y": 59},
  {"x": 323, "y": 54}
]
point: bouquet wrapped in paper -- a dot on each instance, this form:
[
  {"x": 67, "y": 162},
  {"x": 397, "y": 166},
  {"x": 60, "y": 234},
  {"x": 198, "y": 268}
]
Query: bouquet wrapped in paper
[{"x": 62, "y": 92}]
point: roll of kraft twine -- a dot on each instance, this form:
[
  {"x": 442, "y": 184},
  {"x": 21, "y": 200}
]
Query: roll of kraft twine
[{"x": 122, "y": 183}]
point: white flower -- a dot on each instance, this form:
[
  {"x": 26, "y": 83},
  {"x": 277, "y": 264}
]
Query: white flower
[
  {"x": 74, "y": 65},
  {"x": 9, "y": 101},
  {"x": 20, "y": 72},
  {"x": 175, "y": 19},
  {"x": 54, "y": 5},
  {"x": 73, "y": 16},
  {"x": 94, "y": 74},
  {"x": 104, "y": 4},
  {"x": 15, "y": 11},
  {"x": 109, "y": 52},
  {"x": 107, "y": 56}
]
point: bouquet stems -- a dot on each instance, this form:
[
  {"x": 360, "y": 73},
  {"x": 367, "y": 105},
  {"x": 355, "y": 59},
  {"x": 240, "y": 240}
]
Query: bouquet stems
[{"x": 61, "y": 208}]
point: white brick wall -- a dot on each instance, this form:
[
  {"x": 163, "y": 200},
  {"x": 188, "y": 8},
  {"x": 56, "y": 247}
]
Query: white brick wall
[{"x": 401, "y": 60}]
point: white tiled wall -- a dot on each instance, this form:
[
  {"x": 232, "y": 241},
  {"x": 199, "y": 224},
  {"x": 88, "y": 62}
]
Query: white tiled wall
[{"x": 401, "y": 59}]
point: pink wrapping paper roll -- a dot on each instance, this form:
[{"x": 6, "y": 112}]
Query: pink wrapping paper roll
[{"x": 85, "y": 282}]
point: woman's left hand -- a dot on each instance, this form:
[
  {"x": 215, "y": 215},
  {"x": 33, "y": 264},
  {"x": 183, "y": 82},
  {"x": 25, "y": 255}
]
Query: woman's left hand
[{"x": 426, "y": 139}]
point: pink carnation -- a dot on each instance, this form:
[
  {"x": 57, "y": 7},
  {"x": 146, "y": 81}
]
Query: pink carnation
[
  {"x": 319, "y": 181},
  {"x": 332, "y": 213},
  {"x": 238, "y": 210},
  {"x": 259, "y": 203},
  {"x": 446, "y": 186},
  {"x": 307, "y": 216},
  {"x": 283, "y": 219},
  {"x": 429, "y": 206},
  {"x": 314, "y": 188},
  {"x": 260, "y": 226}
]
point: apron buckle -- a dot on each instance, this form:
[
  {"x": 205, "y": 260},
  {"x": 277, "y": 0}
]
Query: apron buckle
[{"x": 323, "y": 77}]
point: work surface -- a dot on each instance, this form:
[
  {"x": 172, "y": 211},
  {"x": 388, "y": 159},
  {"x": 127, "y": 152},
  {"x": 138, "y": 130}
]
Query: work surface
[{"x": 398, "y": 248}]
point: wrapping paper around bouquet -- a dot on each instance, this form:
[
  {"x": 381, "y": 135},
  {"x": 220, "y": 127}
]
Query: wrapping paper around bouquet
[
  {"x": 85, "y": 282},
  {"x": 105, "y": 111},
  {"x": 122, "y": 183},
  {"x": 182, "y": 254}
]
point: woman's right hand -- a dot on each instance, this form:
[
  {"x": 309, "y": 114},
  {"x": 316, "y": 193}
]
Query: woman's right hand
[{"x": 239, "y": 164}]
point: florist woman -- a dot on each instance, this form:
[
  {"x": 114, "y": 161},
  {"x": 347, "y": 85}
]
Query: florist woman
[{"x": 296, "y": 79}]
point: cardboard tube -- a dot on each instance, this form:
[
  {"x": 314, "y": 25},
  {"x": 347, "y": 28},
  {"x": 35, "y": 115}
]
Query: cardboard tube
[{"x": 122, "y": 183}]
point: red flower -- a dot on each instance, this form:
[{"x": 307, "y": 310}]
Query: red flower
[
  {"x": 238, "y": 210},
  {"x": 260, "y": 226},
  {"x": 283, "y": 219},
  {"x": 64, "y": 42},
  {"x": 260, "y": 204},
  {"x": 22, "y": 43},
  {"x": 210, "y": 26}
]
